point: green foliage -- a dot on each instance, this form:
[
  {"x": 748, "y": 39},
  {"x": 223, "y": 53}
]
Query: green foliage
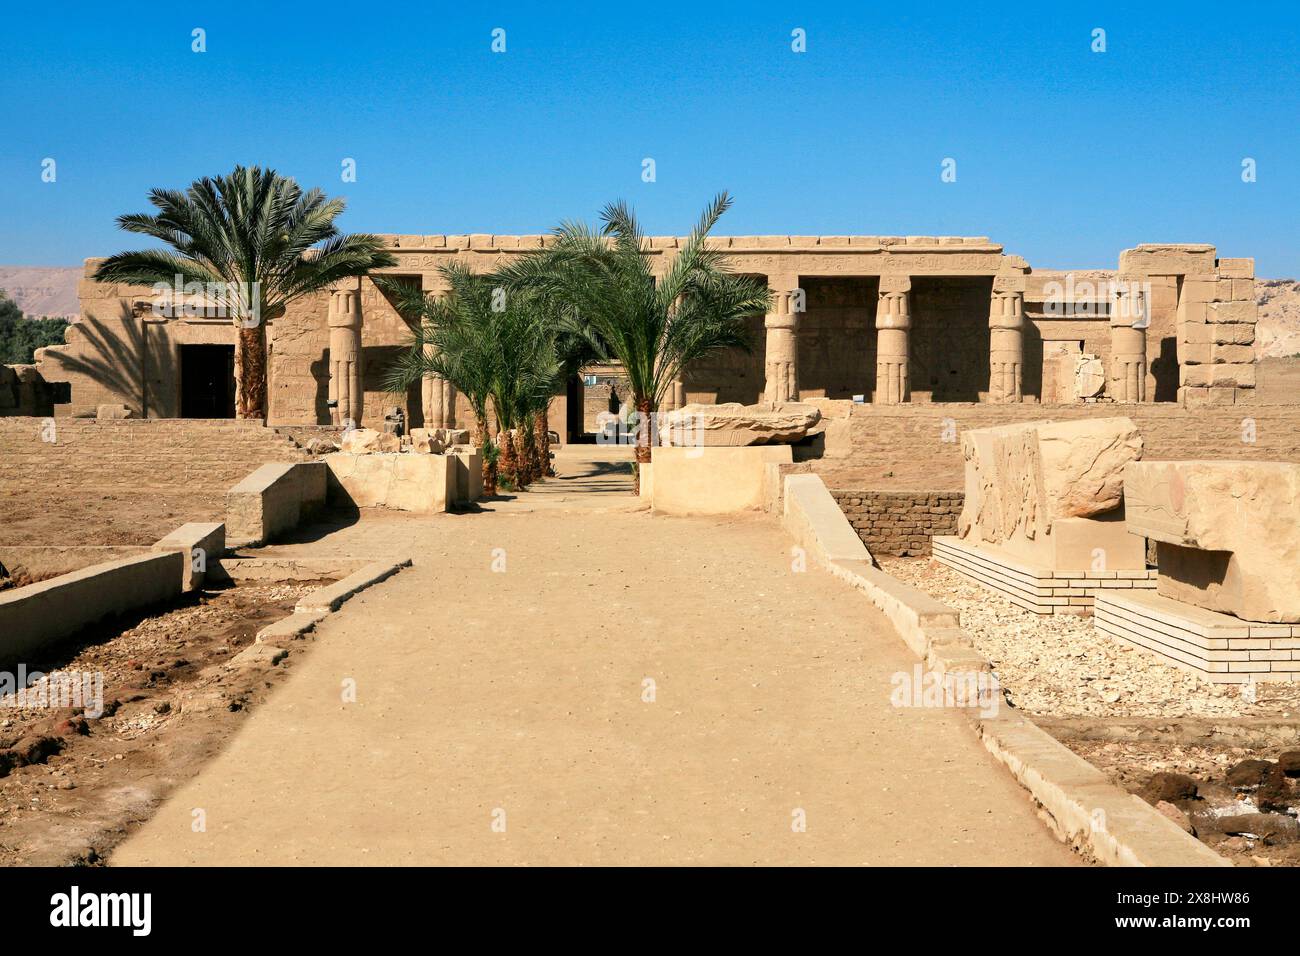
[
  {"x": 20, "y": 337},
  {"x": 655, "y": 329},
  {"x": 252, "y": 225},
  {"x": 497, "y": 347}
]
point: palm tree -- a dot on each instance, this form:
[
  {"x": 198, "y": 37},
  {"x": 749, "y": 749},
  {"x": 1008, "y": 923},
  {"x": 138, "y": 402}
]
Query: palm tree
[
  {"x": 494, "y": 348},
  {"x": 256, "y": 242},
  {"x": 654, "y": 329}
]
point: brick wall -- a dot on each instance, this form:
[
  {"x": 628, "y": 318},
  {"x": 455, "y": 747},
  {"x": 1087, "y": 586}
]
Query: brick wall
[
  {"x": 171, "y": 454},
  {"x": 900, "y": 522},
  {"x": 919, "y": 446}
]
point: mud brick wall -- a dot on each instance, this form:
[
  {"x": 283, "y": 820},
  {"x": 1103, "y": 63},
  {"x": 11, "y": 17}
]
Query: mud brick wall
[
  {"x": 162, "y": 454},
  {"x": 900, "y": 522},
  {"x": 898, "y": 447}
]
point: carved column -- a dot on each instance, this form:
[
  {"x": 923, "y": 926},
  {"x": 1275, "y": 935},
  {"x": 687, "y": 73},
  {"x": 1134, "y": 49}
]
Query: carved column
[
  {"x": 437, "y": 396},
  {"x": 893, "y": 320},
  {"x": 1007, "y": 340},
  {"x": 675, "y": 397},
  {"x": 344, "y": 320},
  {"x": 1127, "y": 381},
  {"x": 782, "y": 324}
]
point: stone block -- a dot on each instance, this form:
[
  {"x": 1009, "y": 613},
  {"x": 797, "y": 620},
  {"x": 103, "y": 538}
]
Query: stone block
[
  {"x": 712, "y": 480},
  {"x": 1233, "y": 354},
  {"x": 1226, "y": 312},
  {"x": 273, "y": 499},
  {"x": 1237, "y": 268},
  {"x": 1051, "y": 493},
  {"x": 1228, "y": 533},
  {"x": 200, "y": 544},
  {"x": 732, "y": 424},
  {"x": 404, "y": 482}
]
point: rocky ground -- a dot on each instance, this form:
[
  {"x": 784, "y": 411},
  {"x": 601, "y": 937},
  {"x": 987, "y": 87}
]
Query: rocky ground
[
  {"x": 1240, "y": 799},
  {"x": 1060, "y": 666},
  {"x": 72, "y": 784}
]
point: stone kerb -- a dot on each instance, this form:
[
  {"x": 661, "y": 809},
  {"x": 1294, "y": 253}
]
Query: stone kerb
[
  {"x": 274, "y": 499},
  {"x": 1078, "y": 803},
  {"x": 44, "y": 613},
  {"x": 815, "y": 521}
]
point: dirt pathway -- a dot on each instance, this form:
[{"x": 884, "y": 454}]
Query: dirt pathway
[{"x": 515, "y": 696}]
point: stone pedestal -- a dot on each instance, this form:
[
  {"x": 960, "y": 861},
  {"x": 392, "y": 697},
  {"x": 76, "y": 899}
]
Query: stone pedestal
[
  {"x": 782, "y": 362},
  {"x": 1127, "y": 381},
  {"x": 893, "y": 320},
  {"x": 346, "y": 392},
  {"x": 1006, "y": 345}
]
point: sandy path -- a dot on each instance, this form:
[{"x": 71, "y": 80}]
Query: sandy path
[{"x": 521, "y": 691}]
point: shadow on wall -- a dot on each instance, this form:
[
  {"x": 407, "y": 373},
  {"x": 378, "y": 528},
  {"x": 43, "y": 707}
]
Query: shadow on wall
[{"x": 132, "y": 365}]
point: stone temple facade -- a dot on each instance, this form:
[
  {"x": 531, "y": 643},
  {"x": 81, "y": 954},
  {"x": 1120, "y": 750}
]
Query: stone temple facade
[{"x": 875, "y": 319}]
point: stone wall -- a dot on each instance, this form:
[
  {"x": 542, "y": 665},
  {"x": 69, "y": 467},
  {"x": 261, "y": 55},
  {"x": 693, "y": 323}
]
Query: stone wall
[
  {"x": 919, "y": 446},
  {"x": 899, "y": 522},
  {"x": 135, "y": 454}
]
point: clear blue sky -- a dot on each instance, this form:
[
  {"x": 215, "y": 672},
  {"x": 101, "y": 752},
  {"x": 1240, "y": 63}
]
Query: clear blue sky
[{"x": 1064, "y": 155}]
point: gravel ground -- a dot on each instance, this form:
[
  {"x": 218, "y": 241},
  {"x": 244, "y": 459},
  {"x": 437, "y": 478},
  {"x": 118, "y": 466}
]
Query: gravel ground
[{"x": 1061, "y": 667}]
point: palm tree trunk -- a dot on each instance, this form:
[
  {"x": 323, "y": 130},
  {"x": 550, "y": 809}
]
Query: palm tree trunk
[
  {"x": 509, "y": 467},
  {"x": 251, "y": 378},
  {"x": 644, "y": 410},
  {"x": 544, "y": 442},
  {"x": 480, "y": 442}
]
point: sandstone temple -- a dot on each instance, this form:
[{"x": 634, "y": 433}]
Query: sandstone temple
[{"x": 870, "y": 319}]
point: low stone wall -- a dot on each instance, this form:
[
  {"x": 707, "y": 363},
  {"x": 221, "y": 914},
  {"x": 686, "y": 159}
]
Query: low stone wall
[
  {"x": 273, "y": 499},
  {"x": 76, "y": 454},
  {"x": 38, "y": 615},
  {"x": 900, "y": 522}
]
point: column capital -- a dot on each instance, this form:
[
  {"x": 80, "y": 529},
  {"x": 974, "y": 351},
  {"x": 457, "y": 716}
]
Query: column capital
[
  {"x": 1006, "y": 310},
  {"x": 344, "y": 310},
  {"x": 1128, "y": 304},
  {"x": 895, "y": 283}
]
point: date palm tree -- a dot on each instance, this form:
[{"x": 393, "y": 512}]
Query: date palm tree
[
  {"x": 256, "y": 242},
  {"x": 494, "y": 347},
  {"x": 655, "y": 329}
]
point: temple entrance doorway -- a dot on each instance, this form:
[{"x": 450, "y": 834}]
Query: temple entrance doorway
[{"x": 207, "y": 381}]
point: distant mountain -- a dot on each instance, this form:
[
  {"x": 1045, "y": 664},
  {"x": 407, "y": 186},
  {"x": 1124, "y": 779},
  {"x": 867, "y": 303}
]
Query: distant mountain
[
  {"x": 43, "y": 290},
  {"x": 1278, "y": 332}
]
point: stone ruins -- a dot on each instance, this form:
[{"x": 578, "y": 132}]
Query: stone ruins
[{"x": 876, "y": 319}]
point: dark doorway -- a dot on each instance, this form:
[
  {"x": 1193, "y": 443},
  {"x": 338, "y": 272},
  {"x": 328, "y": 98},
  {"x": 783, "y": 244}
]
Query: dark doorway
[
  {"x": 574, "y": 398},
  {"x": 207, "y": 381}
]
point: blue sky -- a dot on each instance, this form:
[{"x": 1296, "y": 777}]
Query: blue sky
[{"x": 1064, "y": 155}]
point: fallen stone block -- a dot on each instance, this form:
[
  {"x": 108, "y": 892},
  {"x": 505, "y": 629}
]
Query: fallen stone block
[
  {"x": 1227, "y": 533},
  {"x": 732, "y": 424}
]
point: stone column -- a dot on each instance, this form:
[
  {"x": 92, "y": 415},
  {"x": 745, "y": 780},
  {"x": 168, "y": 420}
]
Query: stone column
[
  {"x": 1127, "y": 381},
  {"x": 437, "y": 396},
  {"x": 1007, "y": 340},
  {"x": 893, "y": 320},
  {"x": 675, "y": 397},
  {"x": 345, "y": 357},
  {"x": 782, "y": 324}
]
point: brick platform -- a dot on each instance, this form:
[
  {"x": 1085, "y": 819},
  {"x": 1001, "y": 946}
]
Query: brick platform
[
  {"x": 1032, "y": 587},
  {"x": 1221, "y": 648}
]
